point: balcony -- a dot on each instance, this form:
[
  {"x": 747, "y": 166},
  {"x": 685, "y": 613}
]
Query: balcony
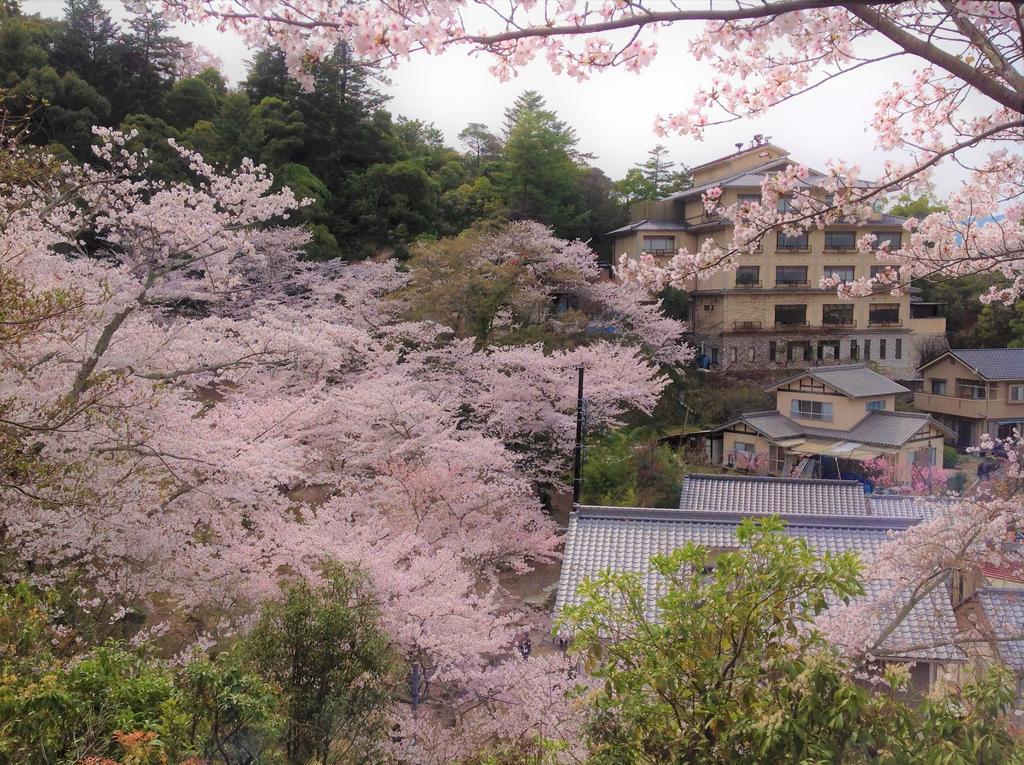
[
  {"x": 884, "y": 323},
  {"x": 839, "y": 324},
  {"x": 792, "y": 283},
  {"x": 955, "y": 406},
  {"x": 746, "y": 326},
  {"x": 791, "y": 325},
  {"x": 660, "y": 253},
  {"x": 748, "y": 285}
]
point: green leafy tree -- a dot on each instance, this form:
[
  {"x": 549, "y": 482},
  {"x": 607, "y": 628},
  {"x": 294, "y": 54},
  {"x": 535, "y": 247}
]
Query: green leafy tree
[
  {"x": 629, "y": 468},
  {"x": 149, "y": 56},
  {"x": 907, "y": 206},
  {"x": 732, "y": 669},
  {"x": 88, "y": 43},
  {"x": 483, "y": 146},
  {"x": 324, "y": 648},
  {"x": 274, "y": 132},
  {"x": 189, "y": 101},
  {"x": 539, "y": 176}
]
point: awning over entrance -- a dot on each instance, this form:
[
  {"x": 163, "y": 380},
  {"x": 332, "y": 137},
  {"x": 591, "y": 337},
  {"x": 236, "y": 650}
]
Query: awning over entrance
[{"x": 850, "y": 450}]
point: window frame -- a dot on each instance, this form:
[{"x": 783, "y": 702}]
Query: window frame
[
  {"x": 830, "y": 271},
  {"x": 888, "y": 308},
  {"x": 804, "y": 247},
  {"x": 882, "y": 236},
  {"x": 659, "y": 252},
  {"x": 846, "y": 309},
  {"x": 825, "y": 411},
  {"x": 830, "y": 247},
  {"x": 794, "y": 306},
  {"x": 802, "y": 282}
]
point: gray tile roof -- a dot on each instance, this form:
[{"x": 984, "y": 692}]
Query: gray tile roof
[
  {"x": 766, "y": 495},
  {"x": 624, "y": 539},
  {"x": 853, "y": 380},
  {"x": 993, "y": 363},
  {"x": 876, "y": 428},
  {"x": 649, "y": 225},
  {"x": 1004, "y": 611},
  {"x": 761, "y": 495}
]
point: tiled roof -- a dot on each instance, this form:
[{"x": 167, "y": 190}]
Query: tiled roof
[
  {"x": 771, "y": 496},
  {"x": 649, "y": 225},
  {"x": 624, "y": 539},
  {"x": 876, "y": 428},
  {"x": 993, "y": 363},
  {"x": 887, "y": 428},
  {"x": 1004, "y": 612},
  {"x": 853, "y": 380}
]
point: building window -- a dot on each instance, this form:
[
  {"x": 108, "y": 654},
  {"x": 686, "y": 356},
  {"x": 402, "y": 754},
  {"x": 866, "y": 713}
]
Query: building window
[
  {"x": 659, "y": 246},
  {"x": 854, "y": 350},
  {"x": 970, "y": 389},
  {"x": 709, "y": 306},
  {"x": 892, "y": 238},
  {"x": 877, "y": 271},
  {"x": 842, "y": 273},
  {"x": 840, "y": 241},
  {"x": 785, "y": 204},
  {"x": 867, "y": 350},
  {"x": 796, "y": 243},
  {"x": 875, "y": 406},
  {"x": 828, "y": 350},
  {"x": 938, "y": 387},
  {"x": 791, "y": 276},
  {"x": 734, "y": 354},
  {"x": 748, "y": 199},
  {"x": 811, "y": 410},
  {"x": 791, "y": 315},
  {"x": 776, "y": 458},
  {"x": 837, "y": 315},
  {"x": 881, "y": 348},
  {"x": 884, "y": 314},
  {"x": 1015, "y": 393},
  {"x": 772, "y": 351},
  {"x": 714, "y": 355},
  {"x": 899, "y": 348},
  {"x": 797, "y": 351},
  {"x": 751, "y": 353},
  {"x": 748, "y": 276}
]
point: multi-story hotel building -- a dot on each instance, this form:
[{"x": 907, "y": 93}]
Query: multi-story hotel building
[{"x": 770, "y": 313}]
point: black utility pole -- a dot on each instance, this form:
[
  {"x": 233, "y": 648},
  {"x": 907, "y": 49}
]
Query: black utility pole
[{"x": 577, "y": 468}]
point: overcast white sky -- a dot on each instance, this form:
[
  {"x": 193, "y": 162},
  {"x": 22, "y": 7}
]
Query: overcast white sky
[{"x": 614, "y": 112}]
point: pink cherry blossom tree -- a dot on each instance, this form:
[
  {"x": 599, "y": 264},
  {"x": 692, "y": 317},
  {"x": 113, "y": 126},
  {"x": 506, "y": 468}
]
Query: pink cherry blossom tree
[{"x": 963, "y": 101}]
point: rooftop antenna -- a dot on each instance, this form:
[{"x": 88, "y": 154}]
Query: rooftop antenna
[{"x": 577, "y": 466}]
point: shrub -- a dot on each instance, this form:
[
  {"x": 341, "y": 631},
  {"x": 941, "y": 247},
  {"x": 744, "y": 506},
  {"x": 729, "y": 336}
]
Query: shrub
[{"x": 950, "y": 459}]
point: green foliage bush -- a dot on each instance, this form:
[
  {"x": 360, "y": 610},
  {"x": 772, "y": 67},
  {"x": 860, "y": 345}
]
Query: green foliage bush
[
  {"x": 630, "y": 468},
  {"x": 950, "y": 459}
]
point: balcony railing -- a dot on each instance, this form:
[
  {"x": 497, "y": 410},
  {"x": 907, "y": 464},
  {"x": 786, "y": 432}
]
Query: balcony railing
[
  {"x": 839, "y": 324},
  {"x": 884, "y": 323},
  {"x": 746, "y": 325},
  {"x": 791, "y": 324},
  {"x": 747, "y": 285},
  {"x": 660, "y": 253},
  {"x": 792, "y": 283}
]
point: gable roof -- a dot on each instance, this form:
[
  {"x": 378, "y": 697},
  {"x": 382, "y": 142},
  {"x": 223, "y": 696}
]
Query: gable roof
[
  {"x": 990, "y": 363},
  {"x": 767, "y": 495},
  {"x": 853, "y": 380},
  {"x": 649, "y": 224},
  {"x": 624, "y": 539},
  {"x": 876, "y": 428},
  {"x": 1004, "y": 612}
]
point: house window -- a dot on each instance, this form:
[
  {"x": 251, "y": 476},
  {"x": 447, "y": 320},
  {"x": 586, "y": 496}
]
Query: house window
[
  {"x": 709, "y": 306},
  {"x": 881, "y": 314},
  {"x": 734, "y": 354},
  {"x": 791, "y": 315},
  {"x": 714, "y": 355},
  {"x": 881, "y": 348},
  {"x": 877, "y": 271},
  {"x": 840, "y": 241},
  {"x": 1015, "y": 393},
  {"x": 842, "y": 273},
  {"x": 795, "y": 243},
  {"x": 970, "y": 389},
  {"x": 899, "y": 348},
  {"x": 1003, "y": 432},
  {"x": 751, "y": 353},
  {"x": 811, "y": 410},
  {"x": 772, "y": 351},
  {"x": 854, "y": 350},
  {"x": 892, "y": 238},
  {"x": 785, "y": 204},
  {"x": 776, "y": 458},
  {"x": 748, "y": 199},
  {"x": 791, "y": 276},
  {"x": 938, "y": 387},
  {"x": 867, "y": 350},
  {"x": 659, "y": 245},
  {"x": 828, "y": 349},
  {"x": 837, "y": 315},
  {"x": 748, "y": 276},
  {"x": 875, "y": 406}
]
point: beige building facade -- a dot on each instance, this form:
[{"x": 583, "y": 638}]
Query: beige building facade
[
  {"x": 770, "y": 313},
  {"x": 974, "y": 392},
  {"x": 827, "y": 422}
]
